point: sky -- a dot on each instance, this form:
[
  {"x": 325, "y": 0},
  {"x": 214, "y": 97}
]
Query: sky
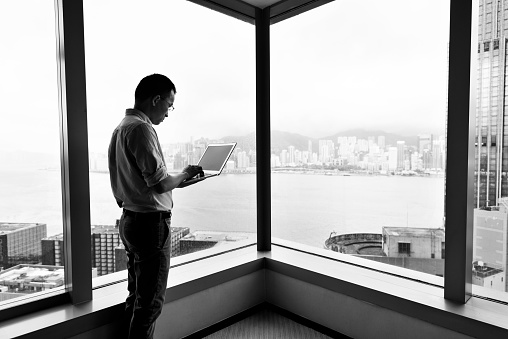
[{"x": 345, "y": 65}]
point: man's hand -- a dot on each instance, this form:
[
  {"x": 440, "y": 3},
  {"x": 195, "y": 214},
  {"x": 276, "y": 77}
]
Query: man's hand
[{"x": 193, "y": 170}]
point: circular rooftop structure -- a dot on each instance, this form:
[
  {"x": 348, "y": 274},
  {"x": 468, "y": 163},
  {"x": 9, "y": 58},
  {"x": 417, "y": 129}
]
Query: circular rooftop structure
[{"x": 356, "y": 243}]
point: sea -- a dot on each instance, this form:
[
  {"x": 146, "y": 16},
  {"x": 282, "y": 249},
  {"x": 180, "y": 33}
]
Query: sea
[{"x": 305, "y": 208}]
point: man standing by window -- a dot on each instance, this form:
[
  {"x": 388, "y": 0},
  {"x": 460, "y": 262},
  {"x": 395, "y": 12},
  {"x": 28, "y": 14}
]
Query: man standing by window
[{"x": 142, "y": 186}]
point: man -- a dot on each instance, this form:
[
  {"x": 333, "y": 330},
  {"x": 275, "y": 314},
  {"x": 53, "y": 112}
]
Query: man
[{"x": 142, "y": 185}]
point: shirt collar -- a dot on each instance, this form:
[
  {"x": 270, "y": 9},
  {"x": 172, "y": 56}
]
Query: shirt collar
[{"x": 138, "y": 113}]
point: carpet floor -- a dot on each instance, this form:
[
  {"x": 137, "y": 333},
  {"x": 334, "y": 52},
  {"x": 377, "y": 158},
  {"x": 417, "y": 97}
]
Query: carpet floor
[{"x": 267, "y": 324}]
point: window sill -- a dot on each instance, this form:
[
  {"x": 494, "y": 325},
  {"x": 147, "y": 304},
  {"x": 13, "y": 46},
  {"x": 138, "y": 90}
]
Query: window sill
[{"x": 419, "y": 297}]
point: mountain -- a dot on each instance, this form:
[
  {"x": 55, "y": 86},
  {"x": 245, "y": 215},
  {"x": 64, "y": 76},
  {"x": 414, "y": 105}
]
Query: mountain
[{"x": 282, "y": 140}]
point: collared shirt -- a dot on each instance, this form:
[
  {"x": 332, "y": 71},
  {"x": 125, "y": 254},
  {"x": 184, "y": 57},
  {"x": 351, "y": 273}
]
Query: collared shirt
[{"x": 136, "y": 165}]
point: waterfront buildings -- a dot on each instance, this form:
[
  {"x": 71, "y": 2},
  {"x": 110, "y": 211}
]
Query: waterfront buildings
[{"x": 20, "y": 243}]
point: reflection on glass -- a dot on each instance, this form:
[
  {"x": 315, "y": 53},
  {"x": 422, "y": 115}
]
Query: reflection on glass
[
  {"x": 210, "y": 58},
  {"x": 490, "y": 240},
  {"x": 30, "y": 184},
  {"x": 358, "y": 130}
]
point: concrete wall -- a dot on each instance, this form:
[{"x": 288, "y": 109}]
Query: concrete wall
[
  {"x": 352, "y": 317},
  {"x": 190, "y": 314}
]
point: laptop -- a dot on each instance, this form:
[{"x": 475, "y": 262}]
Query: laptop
[{"x": 212, "y": 161}]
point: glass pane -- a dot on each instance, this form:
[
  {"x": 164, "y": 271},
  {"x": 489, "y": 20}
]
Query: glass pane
[
  {"x": 491, "y": 168},
  {"x": 210, "y": 58},
  {"x": 358, "y": 130},
  {"x": 31, "y": 255}
]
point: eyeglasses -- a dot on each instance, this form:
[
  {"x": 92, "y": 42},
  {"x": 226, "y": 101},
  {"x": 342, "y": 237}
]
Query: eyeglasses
[{"x": 170, "y": 105}]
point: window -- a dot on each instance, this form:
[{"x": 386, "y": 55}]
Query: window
[
  {"x": 213, "y": 71},
  {"x": 347, "y": 170},
  {"x": 31, "y": 258},
  {"x": 404, "y": 248}
]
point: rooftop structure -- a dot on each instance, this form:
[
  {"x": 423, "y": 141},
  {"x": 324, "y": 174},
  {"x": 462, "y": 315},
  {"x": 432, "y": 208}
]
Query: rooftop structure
[
  {"x": 414, "y": 242},
  {"x": 25, "y": 279},
  {"x": 413, "y": 232},
  {"x": 356, "y": 243},
  {"x": 419, "y": 249},
  {"x": 489, "y": 275}
]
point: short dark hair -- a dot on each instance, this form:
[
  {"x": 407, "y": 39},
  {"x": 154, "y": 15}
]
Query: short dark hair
[{"x": 152, "y": 85}]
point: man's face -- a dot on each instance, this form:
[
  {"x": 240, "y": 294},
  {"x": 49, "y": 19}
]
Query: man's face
[{"x": 164, "y": 105}]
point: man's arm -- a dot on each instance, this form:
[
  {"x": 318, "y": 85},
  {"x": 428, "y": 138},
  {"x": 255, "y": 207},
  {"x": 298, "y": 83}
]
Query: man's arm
[{"x": 172, "y": 181}]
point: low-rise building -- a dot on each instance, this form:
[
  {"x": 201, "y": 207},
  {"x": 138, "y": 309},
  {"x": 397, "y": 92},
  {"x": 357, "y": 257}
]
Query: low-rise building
[
  {"x": 414, "y": 242},
  {"x": 488, "y": 275},
  {"x": 25, "y": 279}
]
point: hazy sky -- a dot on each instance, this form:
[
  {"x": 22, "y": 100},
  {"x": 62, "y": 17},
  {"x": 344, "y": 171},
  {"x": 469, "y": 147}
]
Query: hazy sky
[{"x": 348, "y": 64}]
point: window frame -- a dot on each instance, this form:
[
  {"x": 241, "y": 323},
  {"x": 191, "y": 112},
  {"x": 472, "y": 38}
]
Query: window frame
[{"x": 74, "y": 146}]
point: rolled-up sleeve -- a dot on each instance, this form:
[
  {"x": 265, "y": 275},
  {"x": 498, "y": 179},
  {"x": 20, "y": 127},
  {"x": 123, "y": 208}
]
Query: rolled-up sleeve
[{"x": 144, "y": 147}]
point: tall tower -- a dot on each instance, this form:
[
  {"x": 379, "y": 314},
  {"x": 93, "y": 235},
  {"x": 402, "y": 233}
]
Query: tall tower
[
  {"x": 401, "y": 145},
  {"x": 491, "y": 151}
]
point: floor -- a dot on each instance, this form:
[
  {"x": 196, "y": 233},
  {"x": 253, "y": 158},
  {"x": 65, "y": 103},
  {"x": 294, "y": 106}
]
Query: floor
[{"x": 269, "y": 324}]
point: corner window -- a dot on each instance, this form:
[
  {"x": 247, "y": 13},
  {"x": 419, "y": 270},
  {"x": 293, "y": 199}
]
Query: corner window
[
  {"x": 354, "y": 160},
  {"x": 213, "y": 70}
]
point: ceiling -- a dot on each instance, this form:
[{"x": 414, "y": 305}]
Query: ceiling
[
  {"x": 260, "y": 3},
  {"x": 245, "y": 10}
]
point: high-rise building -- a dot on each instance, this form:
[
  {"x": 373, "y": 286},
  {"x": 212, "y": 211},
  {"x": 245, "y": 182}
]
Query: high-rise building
[
  {"x": 401, "y": 146},
  {"x": 53, "y": 250},
  {"x": 392, "y": 158},
  {"x": 424, "y": 142},
  {"x": 381, "y": 142},
  {"x": 20, "y": 243},
  {"x": 491, "y": 162},
  {"x": 104, "y": 240},
  {"x": 291, "y": 155}
]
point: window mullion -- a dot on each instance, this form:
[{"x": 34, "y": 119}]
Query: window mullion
[
  {"x": 263, "y": 129},
  {"x": 74, "y": 148},
  {"x": 460, "y": 150}
]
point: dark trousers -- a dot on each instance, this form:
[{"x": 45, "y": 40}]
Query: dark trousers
[{"x": 146, "y": 240}]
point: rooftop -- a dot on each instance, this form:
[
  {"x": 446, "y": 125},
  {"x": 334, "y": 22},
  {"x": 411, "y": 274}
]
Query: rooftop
[
  {"x": 413, "y": 232},
  {"x": 484, "y": 270},
  {"x": 99, "y": 229},
  {"x": 9, "y": 227},
  {"x": 55, "y": 237},
  {"x": 22, "y": 277}
]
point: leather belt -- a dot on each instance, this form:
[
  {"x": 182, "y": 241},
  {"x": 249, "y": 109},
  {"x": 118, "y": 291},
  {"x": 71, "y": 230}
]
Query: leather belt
[{"x": 148, "y": 216}]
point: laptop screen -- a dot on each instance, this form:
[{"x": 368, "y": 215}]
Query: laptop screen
[{"x": 215, "y": 157}]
